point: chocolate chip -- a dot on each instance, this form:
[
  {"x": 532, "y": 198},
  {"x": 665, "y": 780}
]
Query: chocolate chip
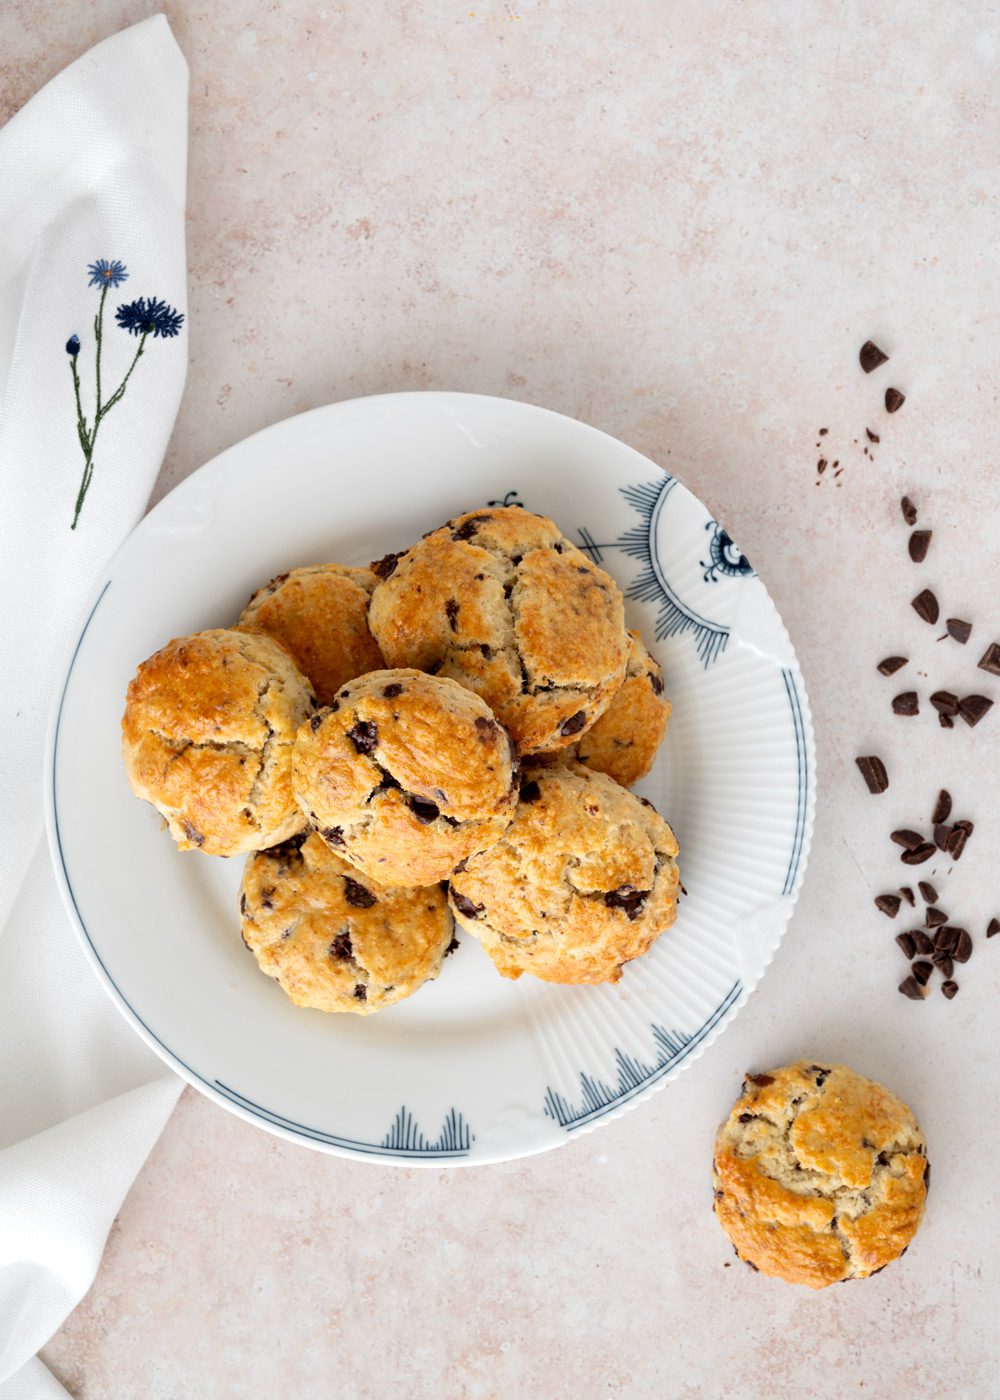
[
  {"x": 451, "y": 612},
  {"x": 356, "y": 895},
  {"x": 761, "y": 1080},
  {"x": 934, "y": 917},
  {"x": 363, "y": 735},
  {"x": 990, "y": 659},
  {"x": 973, "y": 707},
  {"x": 925, "y": 605},
  {"x": 871, "y": 356},
  {"x": 243, "y": 906},
  {"x": 342, "y": 947},
  {"x": 485, "y": 728},
  {"x": 332, "y": 835},
  {"x": 193, "y": 834},
  {"x": 891, "y": 665},
  {"x": 360, "y": 992},
  {"x": 392, "y": 690},
  {"x": 315, "y": 722},
  {"x": 627, "y": 898},
  {"x": 888, "y": 904},
  {"x": 424, "y": 811},
  {"x": 918, "y": 855},
  {"x": 909, "y": 510},
  {"x": 470, "y": 527},
  {"x": 465, "y": 906},
  {"x": 574, "y": 724},
  {"x": 942, "y": 835},
  {"x": 910, "y": 840},
  {"x": 943, "y": 963},
  {"x": 747, "y": 1117},
  {"x": 894, "y": 400},
  {"x": 921, "y": 942},
  {"x": 946, "y": 721},
  {"x": 451, "y": 946},
  {"x": 993, "y": 928},
  {"x": 906, "y": 703},
  {"x": 508, "y": 589},
  {"x": 486, "y": 650},
  {"x": 907, "y": 944},
  {"x": 960, "y": 833},
  {"x": 872, "y": 769},
  {"x": 385, "y": 566},
  {"x": 907, "y": 894},
  {"x": 530, "y": 792},
  {"x": 946, "y": 939},
  {"x": 872, "y": 437},
  {"x": 942, "y": 807},
  {"x": 962, "y": 950},
  {"x": 922, "y": 972},
  {"x": 945, "y": 702},
  {"x": 958, "y": 629},
  {"x": 911, "y": 988},
  {"x": 919, "y": 544},
  {"x": 950, "y": 989},
  {"x": 656, "y": 681}
]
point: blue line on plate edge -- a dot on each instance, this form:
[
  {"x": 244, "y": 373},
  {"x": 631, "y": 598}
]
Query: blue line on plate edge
[{"x": 802, "y": 763}]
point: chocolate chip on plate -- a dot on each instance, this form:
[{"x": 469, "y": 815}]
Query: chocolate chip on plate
[
  {"x": 909, "y": 510},
  {"x": 949, "y": 989},
  {"x": 911, "y": 988},
  {"x": 894, "y": 399},
  {"x": 872, "y": 769},
  {"x": 920, "y": 542},
  {"x": 870, "y": 356},
  {"x": 905, "y": 941},
  {"x": 990, "y": 659},
  {"x": 922, "y": 972},
  {"x": 935, "y": 917},
  {"x": 906, "y": 703},
  {"x": 961, "y": 631},
  {"x": 888, "y": 904},
  {"x": 942, "y": 807},
  {"x": 909, "y": 840},
  {"x": 993, "y": 928},
  {"x": 918, "y": 855},
  {"x": 973, "y": 707},
  {"x": 925, "y": 605},
  {"x": 891, "y": 665},
  {"x": 907, "y": 894},
  {"x": 945, "y": 702}
]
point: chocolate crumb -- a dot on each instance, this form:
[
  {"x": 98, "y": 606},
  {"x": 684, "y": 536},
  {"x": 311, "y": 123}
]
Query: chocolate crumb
[
  {"x": 909, "y": 840},
  {"x": 950, "y": 989},
  {"x": 946, "y": 721},
  {"x": 919, "y": 544},
  {"x": 918, "y": 855},
  {"x": 872, "y": 437},
  {"x": 942, "y": 807},
  {"x": 891, "y": 665},
  {"x": 911, "y": 988},
  {"x": 888, "y": 904},
  {"x": 823, "y": 432},
  {"x": 972, "y": 708},
  {"x": 872, "y": 769},
  {"x": 925, "y": 605},
  {"x": 993, "y": 928},
  {"x": 990, "y": 659},
  {"x": 894, "y": 400},
  {"x": 907, "y": 944},
  {"x": 870, "y": 356},
  {"x": 907, "y": 894},
  {"x": 909, "y": 510},
  {"x": 961, "y": 631},
  {"x": 821, "y": 466},
  {"x": 906, "y": 703},
  {"x": 922, "y": 972}
]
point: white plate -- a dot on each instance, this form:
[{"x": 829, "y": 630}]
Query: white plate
[{"x": 473, "y": 1068}]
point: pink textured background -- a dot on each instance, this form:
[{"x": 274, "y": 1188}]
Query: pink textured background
[{"x": 678, "y": 222}]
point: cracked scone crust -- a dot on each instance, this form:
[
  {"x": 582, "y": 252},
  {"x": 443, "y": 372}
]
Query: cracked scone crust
[
  {"x": 207, "y": 738},
  {"x": 501, "y": 601},
  {"x": 321, "y": 614},
  {"x": 583, "y": 881},
  {"x": 335, "y": 940},
  {"x": 820, "y": 1175},
  {"x": 405, "y": 775}
]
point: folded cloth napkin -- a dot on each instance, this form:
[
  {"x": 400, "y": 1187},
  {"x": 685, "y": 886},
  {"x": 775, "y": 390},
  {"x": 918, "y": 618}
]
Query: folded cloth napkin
[{"x": 93, "y": 357}]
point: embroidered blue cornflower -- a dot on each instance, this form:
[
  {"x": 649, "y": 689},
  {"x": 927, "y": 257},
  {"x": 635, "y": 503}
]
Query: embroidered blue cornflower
[
  {"x": 149, "y": 317},
  {"x": 107, "y": 274},
  {"x": 73, "y": 345}
]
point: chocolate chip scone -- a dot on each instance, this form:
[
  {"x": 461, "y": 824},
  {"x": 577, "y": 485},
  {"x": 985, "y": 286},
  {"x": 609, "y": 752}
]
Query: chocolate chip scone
[
  {"x": 405, "y": 775},
  {"x": 335, "y": 943},
  {"x": 207, "y": 738},
  {"x": 502, "y": 601},
  {"x": 583, "y": 881},
  {"x": 820, "y": 1175},
  {"x": 321, "y": 614}
]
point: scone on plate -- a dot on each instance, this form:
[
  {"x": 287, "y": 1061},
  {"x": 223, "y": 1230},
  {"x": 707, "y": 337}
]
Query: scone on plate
[
  {"x": 820, "y": 1175},
  {"x": 321, "y": 614},
  {"x": 583, "y": 881},
  {"x": 502, "y": 601},
  {"x": 406, "y": 775},
  {"x": 207, "y": 738},
  {"x": 335, "y": 941},
  {"x": 624, "y": 740}
]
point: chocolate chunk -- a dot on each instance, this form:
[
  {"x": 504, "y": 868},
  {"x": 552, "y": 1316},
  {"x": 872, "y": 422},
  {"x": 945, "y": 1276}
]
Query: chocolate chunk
[
  {"x": 907, "y": 944},
  {"x": 385, "y": 566},
  {"x": 891, "y": 665},
  {"x": 363, "y": 735},
  {"x": 871, "y": 356},
  {"x": 872, "y": 769},
  {"x": 918, "y": 855},
  {"x": 356, "y": 895},
  {"x": 332, "y": 835},
  {"x": 943, "y": 963},
  {"x": 993, "y": 928},
  {"x": 747, "y": 1117},
  {"x": 960, "y": 833},
  {"x": 628, "y": 899},
  {"x": 465, "y": 906},
  {"x": 922, "y": 972},
  {"x": 946, "y": 939},
  {"x": 888, "y": 904},
  {"x": 911, "y": 988},
  {"x": 485, "y": 728},
  {"x": 958, "y": 629},
  {"x": 193, "y": 834},
  {"x": 973, "y": 707},
  {"x": 990, "y": 659},
  {"x": 921, "y": 942},
  {"x": 530, "y": 792},
  {"x": 907, "y": 894},
  {"x": 508, "y": 589},
  {"x": 910, "y": 840},
  {"x": 360, "y": 992},
  {"x": 424, "y": 811},
  {"x": 656, "y": 682},
  {"x": 451, "y": 613},
  {"x": 920, "y": 542},
  {"x": 894, "y": 400},
  {"x": 243, "y": 905},
  {"x": 949, "y": 989},
  {"x": 942, "y": 834},
  {"x": 946, "y": 721},
  {"x": 470, "y": 527},
  {"x": 909, "y": 510},
  {"x": 927, "y": 892},
  {"x": 945, "y": 702},
  {"x": 486, "y": 650},
  {"x": 925, "y": 605},
  {"x": 341, "y": 947},
  {"x": 392, "y": 690},
  {"x": 934, "y": 917},
  {"x": 906, "y": 703},
  {"x": 942, "y": 807},
  {"x": 962, "y": 950},
  {"x": 574, "y": 724},
  {"x": 761, "y": 1080},
  {"x": 451, "y": 946},
  {"x": 872, "y": 437}
]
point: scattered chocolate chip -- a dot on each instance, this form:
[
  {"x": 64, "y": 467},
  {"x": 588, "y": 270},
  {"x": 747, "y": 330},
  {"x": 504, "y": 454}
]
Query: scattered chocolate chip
[
  {"x": 934, "y": 917},
  {"x": 392, "y": 690},
  {"x": 628, "y": 899},
  {"x": 919, "y": 544},
  {"x": 451, "y": 946},
  {"x": 946, "y": 721},
  {"x": 888, "y": 904},
  {"x": 424, "y": 811},
  {"x": 360, "y": 992},
  {"x": 990, "y": 659},
  {"x": 530, "y": 792},
  {"x": 575, "y": 723},
  {"x": 945, "y": 939},
  {"x": 950, "y": 989},
  {"x": 925, "y": 605},
  {"x": 907, "y": 894},
  {"x": 465, "y": 906},
  {"x": 870, "y": 356},
  {"x": 962, "y": 950},
  {"x": 906, "y": 703},
  {"x": 894, "y": 400},
  {"x": 961, "y": 631},
  {"x": 943, "y": 963},
  {"x": 960, "y": 833},
  {"x": 993, "y": 928},
  {"x": 363, "y": 735},
  {"x": 922, "y": 972},
  {"x": 872, "y": 769},
  {"x": 385, "y": 566},
  {"x": 761, "y": 1080},
  {"x": 972, "y": 708},
  {"x": 356, "y": 895},
  {"x": 821, "y": 466},
  {"x": 918, "y": 855},
  {"x": 909, "y": 510},
  {"x": 942, "y": 807},
  {"x": 909, "y": 840},
  {"x": 469, "y": 527},
  {"x": 341, "y": 947},
  {"x": 945, "y": 702},
  {"x": 332, "y": 835},
  {"x": 911, "y": 988},
  {"x": 921, "y": 942},
  {"x": 872, "y": 437},
  {"x": 907, "y": 944},
  {"x": 891, "y": 665},
  {"x": 942, "y": 834},
  {"x": 451, "y": 613}
]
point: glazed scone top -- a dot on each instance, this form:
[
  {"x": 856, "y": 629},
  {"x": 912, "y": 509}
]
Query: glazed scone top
[
  {"x": 820, "y": 1174},
  {"x": 406, "y": 774},
  {"x": 502, "y": 601},
  {"x": 207, "y": 737},
  {"x": 321, "y": 614}
]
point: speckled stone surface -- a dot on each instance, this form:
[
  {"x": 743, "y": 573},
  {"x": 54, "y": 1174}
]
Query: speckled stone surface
[{"x": 678, "y": 222}]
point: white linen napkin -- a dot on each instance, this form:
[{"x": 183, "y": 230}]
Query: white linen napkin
[{"x": 92, "y": 189}]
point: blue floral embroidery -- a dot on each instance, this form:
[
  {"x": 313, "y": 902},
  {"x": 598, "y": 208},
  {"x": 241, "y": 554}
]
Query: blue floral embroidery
[
  {"x": 150, "y": 317},
  {"x": 73, "y": 345},
  {"x": 107, "y": 274}
]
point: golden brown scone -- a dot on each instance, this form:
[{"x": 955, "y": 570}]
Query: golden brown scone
[
  {"x": 583, "y": 881},
  {"x": 321, "y": 615},
  {"x": 332, "y": 942},
  {"x": 624, "y": 740},
  {"x": 207, "y": 738},
  {"x": 820, "y": 1175},
  {"x": 405, "y": 775},
  {"x": 501, "y": 601}
]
